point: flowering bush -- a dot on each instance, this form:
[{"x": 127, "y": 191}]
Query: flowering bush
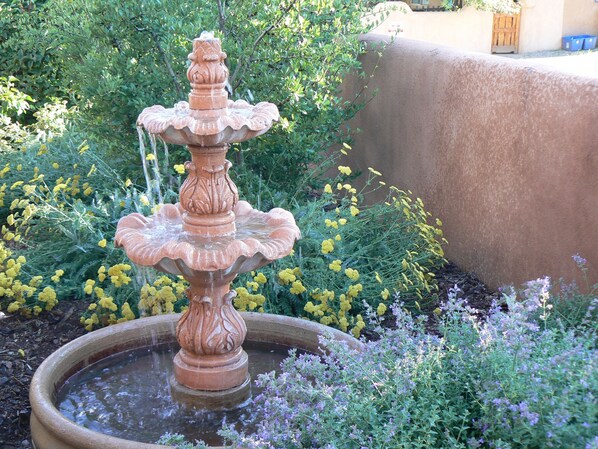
[
  {"x": 16, "y": 294},
  {"x": 350, "y": 254},
  {"x": 503, "y": 382}
]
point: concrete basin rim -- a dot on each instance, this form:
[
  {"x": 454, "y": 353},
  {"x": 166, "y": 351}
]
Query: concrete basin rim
[{"x": 57, "y": 364}]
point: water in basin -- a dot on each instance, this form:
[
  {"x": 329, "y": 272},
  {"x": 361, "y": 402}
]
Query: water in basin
[{"x": 127, "y": 395}]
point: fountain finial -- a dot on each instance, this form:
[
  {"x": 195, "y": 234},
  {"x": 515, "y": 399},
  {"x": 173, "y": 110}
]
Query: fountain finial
[{"x": 207, "y": 74}]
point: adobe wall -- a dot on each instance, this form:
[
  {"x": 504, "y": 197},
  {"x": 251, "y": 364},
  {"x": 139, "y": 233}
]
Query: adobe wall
[
  {"x": 467, "y": 28},
  {"x": 541, "y": 26},
  {"x": 580, "y": 17},
  {"x": 505, "y": 153}
]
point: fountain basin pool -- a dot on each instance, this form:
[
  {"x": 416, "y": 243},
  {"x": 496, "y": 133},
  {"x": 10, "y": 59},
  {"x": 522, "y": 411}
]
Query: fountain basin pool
[{"x": 51, "y": 430}]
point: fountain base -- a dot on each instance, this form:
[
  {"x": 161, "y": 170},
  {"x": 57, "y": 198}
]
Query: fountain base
[
  {"x": 211, "y": 400},
  {"x": 51, "y": 430},
  {"x": 211, "y": 373}
]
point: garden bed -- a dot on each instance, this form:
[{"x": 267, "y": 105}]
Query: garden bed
[{"x": 40, "y": 336}]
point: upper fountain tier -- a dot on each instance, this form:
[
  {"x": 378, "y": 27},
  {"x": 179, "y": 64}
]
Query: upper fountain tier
[{"x": 209, "y": 118}]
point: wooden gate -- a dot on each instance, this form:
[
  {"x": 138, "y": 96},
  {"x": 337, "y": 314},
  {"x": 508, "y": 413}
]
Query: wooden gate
[{"x": 505, "y": 33}]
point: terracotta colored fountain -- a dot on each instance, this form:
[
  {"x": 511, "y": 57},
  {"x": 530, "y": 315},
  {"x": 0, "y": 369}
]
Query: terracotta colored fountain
[{"x": 210, "y": 236}]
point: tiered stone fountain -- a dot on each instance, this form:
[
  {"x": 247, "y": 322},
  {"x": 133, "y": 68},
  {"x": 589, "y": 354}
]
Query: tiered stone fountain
[{"x": 208, "y": 238}]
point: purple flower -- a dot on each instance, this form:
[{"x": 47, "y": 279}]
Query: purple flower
[{"x": 579, "y": 261}]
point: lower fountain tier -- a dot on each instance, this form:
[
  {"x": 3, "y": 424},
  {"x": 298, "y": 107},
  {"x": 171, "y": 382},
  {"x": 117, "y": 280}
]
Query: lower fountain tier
[{"x": 159, "y": 241}]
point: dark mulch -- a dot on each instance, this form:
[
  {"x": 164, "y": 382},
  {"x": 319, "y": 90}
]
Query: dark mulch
[
  {"x": 40, "y": 336},
  {"x": 37, "y": 338}
]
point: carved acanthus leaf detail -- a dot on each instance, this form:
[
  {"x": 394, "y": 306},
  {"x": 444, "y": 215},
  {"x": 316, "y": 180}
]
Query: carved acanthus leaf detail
[
  {"x": 207, "y": 64},
  {"x": 209, "y": 192},
  {"x": 205, "y": 329}
]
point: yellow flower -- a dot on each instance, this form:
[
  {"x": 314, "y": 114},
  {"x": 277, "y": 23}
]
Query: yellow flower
[
  {"x": 144, "y": 200},
  {"x": 88, "y": 191},
  {"x": 297, "y": 288},
  {"x": 128, "y": 182},
  {"x": 13, "y": 307},
  {"x": 55, "y": 165},
  {"x": 354, "y": 210},
  {"x": 337, "y": 237},
  {"x": 374, "y": 172},
  {"x": 344, "y": 170},
  {"x": 179, "y": 168},
  {"x": 260, "y": 278},
  {"x": 150, "y": 157},
  {"x": 102, "y": 243},
  {"x": 92, "y": 306},
  {"x": 352, "y": 274},
  {"x": 335, "y": 265},
  {"x": 126, "y": 311},
  {"x": 327, "y": 188},
  {"x": 331, "y": 224},
  {"x": 254, "y": 286},
  {"x": 378, "y": 278},
  {"x": 287, "y": 276},
  {"x": 381, "y": 310},
  {"x": 342, "y": 221},
  {"x": 385, "y": 294},
  {"x": 309, "y": 307},
  {"x": 107, "y": 302},
  {"x": 327, "y": 246},
  {"x": 57, "y": 275}
]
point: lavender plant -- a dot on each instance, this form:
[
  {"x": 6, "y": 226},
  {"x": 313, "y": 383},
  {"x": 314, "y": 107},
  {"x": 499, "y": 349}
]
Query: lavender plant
[{"x": 504, "y": 382}]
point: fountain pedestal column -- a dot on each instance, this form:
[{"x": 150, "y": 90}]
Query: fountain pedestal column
[
  {"x": 208, "y": 195},
  {"x": 211, "y": 333}
]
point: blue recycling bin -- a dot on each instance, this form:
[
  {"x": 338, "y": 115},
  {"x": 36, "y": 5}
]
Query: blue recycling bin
[
  {"x": 573, "y": 43},
  {"x": 589, "y": 41}
]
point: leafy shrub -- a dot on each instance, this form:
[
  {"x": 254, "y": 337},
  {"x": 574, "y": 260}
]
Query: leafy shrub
[
  {"x": 27, "y": 52},
  {"x": 18, "y": 294},
  {"x": 350, "y": 253},
  {"x": 503, "y": 382},
  {"x": 293, "y": 54}
]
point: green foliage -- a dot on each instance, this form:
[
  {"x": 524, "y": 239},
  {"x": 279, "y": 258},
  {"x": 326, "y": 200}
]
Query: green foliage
[
  {"x": 496, "y": 6},
  {"x": 350, "y": 254},
  {"x": 119, "y": 57},
  {"x": 13, "y": 102},
  {"x": 178, "y": 441},
  {"x": 58, "y": 200},
  {"x": 27, "y": 52}
]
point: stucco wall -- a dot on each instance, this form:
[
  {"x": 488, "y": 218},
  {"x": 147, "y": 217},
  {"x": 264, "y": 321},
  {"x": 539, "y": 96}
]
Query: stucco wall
[
  {"x": 506, "y": 154},
  {"x": 580, "y": 17},
  {"x": 541, "y": 25},
  {"x": 467, "y": 28}
]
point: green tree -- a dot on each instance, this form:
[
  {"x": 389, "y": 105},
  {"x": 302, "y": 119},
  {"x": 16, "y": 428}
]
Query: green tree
[{"x": 120, "y": 57}]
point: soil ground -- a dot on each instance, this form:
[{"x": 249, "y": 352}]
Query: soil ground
[{"x": 25, "y": 343}]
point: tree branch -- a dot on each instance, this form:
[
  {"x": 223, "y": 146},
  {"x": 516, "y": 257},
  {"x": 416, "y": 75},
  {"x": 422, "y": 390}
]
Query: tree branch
[
  {"x": 242, "y": 63},
  {"x": 222, "y": 17},
  {"x": 175, "y": 80}
]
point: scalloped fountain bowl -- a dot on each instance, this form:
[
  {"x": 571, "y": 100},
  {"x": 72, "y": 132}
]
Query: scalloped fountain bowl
[
  {"x": 161, "y": 242},
  {"x": 52, "y": 430},
  {"x": 238, "y": 122}
]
